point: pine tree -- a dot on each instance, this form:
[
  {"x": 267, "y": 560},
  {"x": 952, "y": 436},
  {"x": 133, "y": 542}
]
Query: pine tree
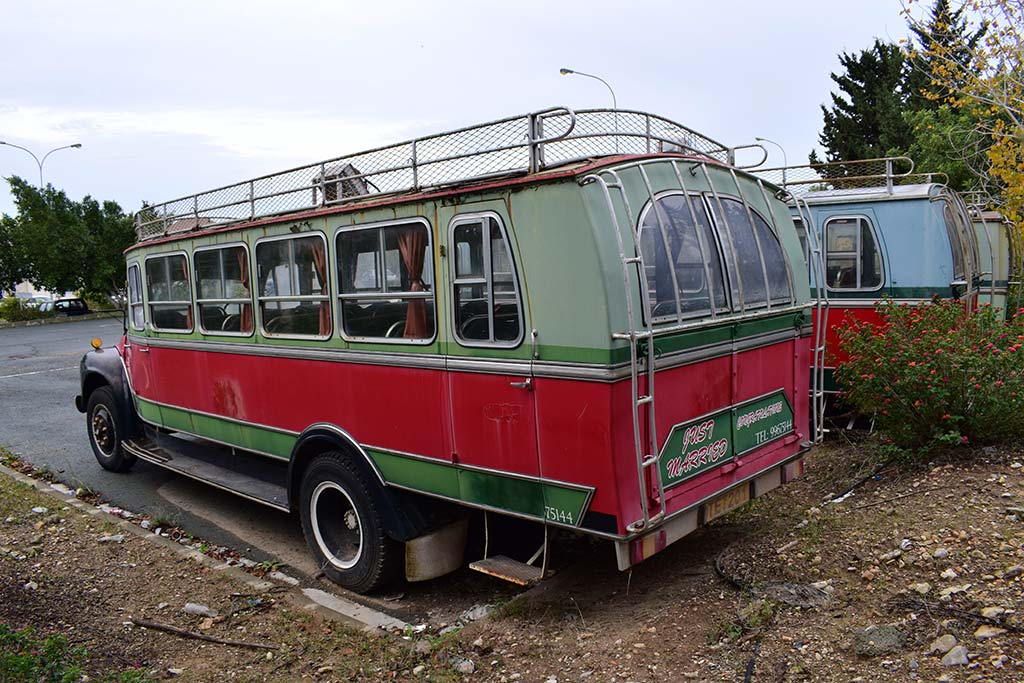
[
  {"x": 865, "y": 119},
  {"x": 946, "y": 32}
]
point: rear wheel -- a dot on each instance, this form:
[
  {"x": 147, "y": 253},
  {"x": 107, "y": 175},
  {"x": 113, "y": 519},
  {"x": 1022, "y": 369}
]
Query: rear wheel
[
  {"x": 343, "y": 526},
  {"x": 105, "y": 432}
]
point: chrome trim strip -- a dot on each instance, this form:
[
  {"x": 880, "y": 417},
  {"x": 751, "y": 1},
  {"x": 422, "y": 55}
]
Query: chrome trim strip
[
  {"x": 235, "y": 420},
  {"x": 539, "y": 368},
  {"x": 348, "y": 437}
]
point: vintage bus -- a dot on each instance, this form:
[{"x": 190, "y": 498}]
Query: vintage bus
[
  {"x": 880, "y": 230},
  {"x": 587, "y": 320},
  {"x": 1000, "y": 252}
]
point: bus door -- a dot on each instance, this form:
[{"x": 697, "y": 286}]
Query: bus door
[
  {"x": 136, "y": 348},
  {"x": 489, "y": 361}
]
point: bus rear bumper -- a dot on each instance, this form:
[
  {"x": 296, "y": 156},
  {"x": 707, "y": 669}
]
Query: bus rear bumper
[{"x": 684, "y": 522}]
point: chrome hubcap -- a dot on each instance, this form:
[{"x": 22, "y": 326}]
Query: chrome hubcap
[{"x": 336, "y": 525}]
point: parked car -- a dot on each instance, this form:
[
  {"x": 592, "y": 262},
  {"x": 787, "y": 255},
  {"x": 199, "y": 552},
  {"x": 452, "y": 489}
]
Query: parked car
[
  {"x": 70, "y": 306},
  {"x": 37, "y": 302}
]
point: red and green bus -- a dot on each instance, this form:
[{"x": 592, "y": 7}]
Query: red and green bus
[{"x": 588, "y": 320}]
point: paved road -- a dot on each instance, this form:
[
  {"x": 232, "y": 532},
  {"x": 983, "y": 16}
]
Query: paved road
[{"x": 39, "y": 422}]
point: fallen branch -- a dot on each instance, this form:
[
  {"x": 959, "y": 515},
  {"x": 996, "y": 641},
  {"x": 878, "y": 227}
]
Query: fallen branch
[
  {"x": 902, "y": 495},
  {"x": 155, "y": 625},
  {"x": 928, "y": 606}
]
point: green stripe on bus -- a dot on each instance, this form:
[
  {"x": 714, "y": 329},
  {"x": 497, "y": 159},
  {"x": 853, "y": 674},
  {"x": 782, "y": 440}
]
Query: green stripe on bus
[{"x": 530, "y": 497}]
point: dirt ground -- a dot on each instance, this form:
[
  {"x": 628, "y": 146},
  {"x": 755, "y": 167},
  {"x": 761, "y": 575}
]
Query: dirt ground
[{"x": 790, "y": 588}]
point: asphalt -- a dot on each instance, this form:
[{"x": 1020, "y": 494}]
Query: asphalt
[{"x": 39, "y": 422}]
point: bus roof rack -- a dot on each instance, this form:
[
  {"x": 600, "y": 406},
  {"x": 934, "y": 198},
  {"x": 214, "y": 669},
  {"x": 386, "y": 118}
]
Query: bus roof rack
[
  {"x": 883, "y": 173},
  {"x": 516, "y": 145}
]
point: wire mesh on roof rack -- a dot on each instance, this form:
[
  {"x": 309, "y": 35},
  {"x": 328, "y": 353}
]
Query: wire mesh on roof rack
[
  {"x": 519, "y": 144},
  {"x": 884, "y": 173}
]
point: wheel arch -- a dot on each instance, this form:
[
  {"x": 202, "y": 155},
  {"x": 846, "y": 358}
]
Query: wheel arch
[
  {"x": 405, "y": 515},
  {"x": 105, "y": 368}
]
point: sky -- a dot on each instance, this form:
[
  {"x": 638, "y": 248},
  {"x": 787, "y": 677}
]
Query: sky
[{"x": 168, "y": 99}]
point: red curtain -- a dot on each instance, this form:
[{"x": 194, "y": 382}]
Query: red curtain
[
  {"x": 320, "y": 264},
  {"x": 188, "y": 310},
  {"x": 245, "y": 322},
  {"x": 412, "y": 242}
]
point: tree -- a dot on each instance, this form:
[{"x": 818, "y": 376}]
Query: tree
[
  {"x": 60, "y": 244},
  {"x": 987, "y": 82},
  {"x": 946, "y": 29},
  {"x": 865, "y": 119},
  {"x": 12, "y": 262}
]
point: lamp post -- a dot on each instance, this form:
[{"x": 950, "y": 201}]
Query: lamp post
[
  {"x": 615, "y": 103},
  {"x": 785, "y": 161},
  {"x": 40, "y": 162}
]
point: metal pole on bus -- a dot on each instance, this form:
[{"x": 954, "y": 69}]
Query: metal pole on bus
[{"x": 785, "y": 161}]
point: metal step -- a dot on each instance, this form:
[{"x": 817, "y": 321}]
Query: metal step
[
  {"x": 200, "y": 462},
  {"x": 506, "y": 568}
]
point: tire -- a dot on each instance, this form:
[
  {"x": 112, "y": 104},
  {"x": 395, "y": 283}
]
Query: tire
[
  {"x": 343, "y": 525},
  {"x": 105, "y": 430}
]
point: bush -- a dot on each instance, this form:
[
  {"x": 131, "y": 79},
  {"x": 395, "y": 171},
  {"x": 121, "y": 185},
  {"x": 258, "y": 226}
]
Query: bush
[
  {"x": 937, "y": 373},
  {"x": 27, "y": 658},
  {"x": 13, "y": 311}
]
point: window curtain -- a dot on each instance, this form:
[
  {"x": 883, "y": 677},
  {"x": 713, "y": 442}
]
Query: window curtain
[
  {"x": 188, "y": 309},
  {"x": 245, "y": 321},
  {"x": 320, "y": 264},
  {"x": 412, "y": 242}
]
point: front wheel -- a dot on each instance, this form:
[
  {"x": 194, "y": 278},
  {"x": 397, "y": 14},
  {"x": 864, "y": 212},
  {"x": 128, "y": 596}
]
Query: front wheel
[
  {"x": 105, "y": 432},
  {"x": 343, "y": 527}
]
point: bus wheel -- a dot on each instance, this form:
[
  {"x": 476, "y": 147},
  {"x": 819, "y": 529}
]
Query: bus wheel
[
  {"x": 105, "y": 432},
  {"x": 343, "y": 527}
]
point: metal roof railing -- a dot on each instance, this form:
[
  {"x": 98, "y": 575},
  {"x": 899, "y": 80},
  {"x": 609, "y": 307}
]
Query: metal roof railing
[
  {"x": 883, "y": 173},
  {"x": 520, "y": 144}
]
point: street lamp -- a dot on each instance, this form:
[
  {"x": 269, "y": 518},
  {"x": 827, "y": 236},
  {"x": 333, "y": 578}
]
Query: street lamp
[
  {"x": 615, "y": 104},
  {"x": 785, "y": 161},
  {"x": 40, "y": 162}
]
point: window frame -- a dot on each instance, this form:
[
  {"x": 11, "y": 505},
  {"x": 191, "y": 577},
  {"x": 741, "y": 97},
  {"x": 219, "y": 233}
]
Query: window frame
[
  {"x": 339, "y": 296},
  {"x": 142, "y": 294},
  {"x": 258, "y": 308},
  {"x": 195, "y": 277},
  {"x": 712, "y": 311},
  {"x": 191, "y": 294},
  {"x": 856, "y": 253},
  {"x": 488, "y": 280}
]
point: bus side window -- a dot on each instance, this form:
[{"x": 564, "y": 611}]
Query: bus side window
[
  {"x": 386, "y": 282},
  {"x": 222, "y": 290},
  {"x": 852, "y": 257},
  {"x": 292, "y": 286},
  {"x": 137, "y": 314},
  {"x": 486, "y": 293},
  {"x": 169, "y": 293}
]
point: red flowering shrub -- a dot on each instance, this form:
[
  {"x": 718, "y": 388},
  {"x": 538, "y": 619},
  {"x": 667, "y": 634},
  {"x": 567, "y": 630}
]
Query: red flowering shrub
[{"x": 937, "y": 373}]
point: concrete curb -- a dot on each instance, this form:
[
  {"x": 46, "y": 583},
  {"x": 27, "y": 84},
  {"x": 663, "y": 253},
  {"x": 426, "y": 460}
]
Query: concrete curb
[
  {"x": 333, "y": 607},
  {"x": 4, "y": 325}
]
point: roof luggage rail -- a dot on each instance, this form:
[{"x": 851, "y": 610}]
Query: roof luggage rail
[
  {"x": 523, "y": 144},
  {"x": 883, "y": 172}
]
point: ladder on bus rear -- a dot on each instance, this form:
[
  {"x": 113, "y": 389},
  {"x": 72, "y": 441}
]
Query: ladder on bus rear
[
  {"x": 816, "y": 263},
  {"x": 640, "y": 336}
]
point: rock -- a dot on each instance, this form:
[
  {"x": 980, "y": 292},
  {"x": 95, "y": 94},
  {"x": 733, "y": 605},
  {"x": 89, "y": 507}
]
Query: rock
[
  {"x": 986, "y": 632},
  {"x": 418, "y": 669},
  {"x": 40, "y": 511},
  {"x": 1013, "y": 572},
  {"x": 940, "y": 553},
  {"x": 206, "y": 624},
  {"x": 946, "y": 593},
  {"x": 478, "y": 643},
  {"x": 877, "y": 640},
  {"x": 144, "y": 524},
  {"x": 992, "y": 612},
  {"x": 283, "y": 578},
  {"x": 955, "y": 657},
  {"x": 162, "y": 605},
  {"x": 476, "y": 612},
  {"x": 463, "y": 665},
  {"x": 115, "y": 538},
  {"x": 949, "y": 574},
  {"x": 891, "y": 555},
  {"x": 921, "y": 588},
  {"x": 31, "y": 586},
  {"x": 551, "y": 679},
  {"x": 175, "y": 672},
  {"x": 197, "y": 610},
  {"x": 942, "y": 644},
  {"x": 999, "y": 662}
]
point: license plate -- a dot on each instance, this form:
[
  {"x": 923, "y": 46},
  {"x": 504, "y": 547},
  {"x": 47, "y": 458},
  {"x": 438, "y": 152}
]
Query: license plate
[{"x": 728, "y": 501}]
